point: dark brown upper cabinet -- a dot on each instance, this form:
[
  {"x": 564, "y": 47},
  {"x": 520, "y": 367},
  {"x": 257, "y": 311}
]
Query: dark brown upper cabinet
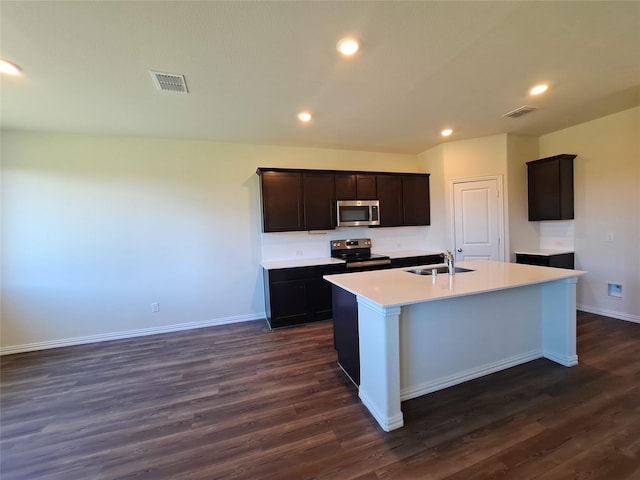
[
  {"x": 282, "y": 201},
  {"x": 346, "y": 187},
  {"x": 319, "y": 201},
  {"x": 366, "y": 187},
  {"x": 416, "y": 203},
  {"x": 352, "y": 186},
  {"x": 295, "y": 199},
  {"x": 550, "y": 188},
  {"x": 404, "y": 200},
  {"x": 390, "y": 196}
]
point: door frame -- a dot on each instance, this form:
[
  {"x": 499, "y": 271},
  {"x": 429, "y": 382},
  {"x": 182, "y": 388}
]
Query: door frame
[{"x": 452, "y": 217}]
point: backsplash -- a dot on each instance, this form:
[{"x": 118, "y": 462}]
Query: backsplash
[
  {"x": 299, "y": 245},
  {"x": 557, "y": 235}
]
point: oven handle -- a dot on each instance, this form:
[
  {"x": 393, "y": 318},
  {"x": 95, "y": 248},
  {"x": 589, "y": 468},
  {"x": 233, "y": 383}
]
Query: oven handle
[{"x": 368, "y": 263}]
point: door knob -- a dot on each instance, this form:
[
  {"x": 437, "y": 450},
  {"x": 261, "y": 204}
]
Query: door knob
[{"x": 459, "y": 249}]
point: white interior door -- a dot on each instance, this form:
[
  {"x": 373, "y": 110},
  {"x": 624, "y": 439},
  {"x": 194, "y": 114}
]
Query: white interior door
[{"x": 477, "y": 212}]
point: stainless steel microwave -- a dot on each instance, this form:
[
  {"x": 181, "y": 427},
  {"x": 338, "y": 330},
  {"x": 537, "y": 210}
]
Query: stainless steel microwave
[{"x": 357, "y": 213}]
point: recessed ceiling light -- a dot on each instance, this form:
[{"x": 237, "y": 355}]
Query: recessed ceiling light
[
  {"x": 446, "y": 132},
  {"x": 9, "y": 68},
  {"x": 538, "y": 89},
  {"x": 304, "y": 117},
  {"x": 348, "y": 46}
]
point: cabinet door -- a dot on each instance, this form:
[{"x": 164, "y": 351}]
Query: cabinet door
[
  {"x": 345, "y": 332},
  {"x": 345, "y": 187},
  {"x": 390, "y": 196},
  {"x": 540, "y": 260},
  {"x": 430, "y": 259},
  {"x": 415, "y": 200},
  {"x": 320, "y": 304},
  {"x": 282, "y": 201},
  {"x": 288, "y": 296},
  {"x": 366, "y": 188},
  {"x": 404, "y": 262},
  {"x": 550, "y": 188},
  {"x": 416, "y": 261},
  {"x": 319, "y": 201},
  {"x": 563, "y": 260},
  {"x": 543, "y": 189},
  {"x": 288, "y": 303}
]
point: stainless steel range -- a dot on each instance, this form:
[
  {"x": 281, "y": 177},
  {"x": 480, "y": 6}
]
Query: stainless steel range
[{"x": 357, "y": 253}]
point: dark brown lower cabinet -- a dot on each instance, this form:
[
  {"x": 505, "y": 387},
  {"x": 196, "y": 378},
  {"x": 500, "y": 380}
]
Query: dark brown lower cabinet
[
  {"x": 298, "y": 295},
  {"x": 415, "y": 261},
  {"x": 560, "y": 260},
  {"x": 345, "y": 332}
]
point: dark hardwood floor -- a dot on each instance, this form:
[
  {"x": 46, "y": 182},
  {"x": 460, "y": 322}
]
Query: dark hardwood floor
[{"x": 240, "y": 402}]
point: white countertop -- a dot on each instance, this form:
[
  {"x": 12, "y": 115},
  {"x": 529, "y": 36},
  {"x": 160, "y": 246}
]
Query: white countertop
[
  {"x": 398, "y": 287},
  {"x": 310, "y": 262},
  {"x": 543, "y": 252}
]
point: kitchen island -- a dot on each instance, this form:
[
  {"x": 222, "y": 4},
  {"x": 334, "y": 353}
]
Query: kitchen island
[{"x": 417, "y": 333}]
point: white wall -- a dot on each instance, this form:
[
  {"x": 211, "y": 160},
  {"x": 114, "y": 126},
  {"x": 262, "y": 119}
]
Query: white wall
[
  {"x": 95, "y": 228},
  {"x": 465, "y": 159},
  {"x": 432, "y": 161},
  {"x": 607, "y": 201},
  {"x": 523, "y": 234}
]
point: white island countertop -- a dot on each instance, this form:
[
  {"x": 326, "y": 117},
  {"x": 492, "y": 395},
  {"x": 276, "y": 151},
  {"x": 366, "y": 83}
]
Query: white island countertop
[{"x": 397, "y": 287}]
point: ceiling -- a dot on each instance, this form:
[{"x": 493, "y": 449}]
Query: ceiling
[{"x": 250, "y": 67}]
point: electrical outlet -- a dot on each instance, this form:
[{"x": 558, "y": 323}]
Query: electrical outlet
[
  {"x": 609, "y": 236},
  {"x": 155, "y": 307}
]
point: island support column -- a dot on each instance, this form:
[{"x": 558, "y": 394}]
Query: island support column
[
  {"x": 379, "y": 345},
  {"x": 559, "y": 321}
]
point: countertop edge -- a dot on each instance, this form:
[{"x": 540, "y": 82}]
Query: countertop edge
[{"x": 560, "y": 274}]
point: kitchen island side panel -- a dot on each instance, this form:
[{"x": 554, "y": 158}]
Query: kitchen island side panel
[{"x": 448, "y": 342}]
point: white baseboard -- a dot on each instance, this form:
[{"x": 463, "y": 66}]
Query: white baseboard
[
  {"x": 445, "y": 382},
  {"x": 567, "y": 361},
  {"x": 66, "y": 342},
  {"x": 387, "y": 423},
  {"x": 609, "y": 313}
]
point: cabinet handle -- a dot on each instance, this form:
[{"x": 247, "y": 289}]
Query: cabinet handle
[{"x": 459, "y": 249}]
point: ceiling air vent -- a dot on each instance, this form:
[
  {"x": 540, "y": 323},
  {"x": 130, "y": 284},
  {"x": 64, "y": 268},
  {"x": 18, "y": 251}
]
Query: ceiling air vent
[
  {"x": 169, "y": 82},
  {"x": 518, "y": 112}
]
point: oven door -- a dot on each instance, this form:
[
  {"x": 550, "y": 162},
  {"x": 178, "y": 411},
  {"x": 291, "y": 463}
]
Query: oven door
[{"x": 356, "y": 213}]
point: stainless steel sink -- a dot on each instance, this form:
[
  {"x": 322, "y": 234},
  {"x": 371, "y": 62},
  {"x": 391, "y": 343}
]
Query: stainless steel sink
[{"x": 439, "y": 269}]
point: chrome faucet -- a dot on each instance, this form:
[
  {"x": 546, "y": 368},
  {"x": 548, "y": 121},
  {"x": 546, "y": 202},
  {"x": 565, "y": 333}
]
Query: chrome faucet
[{"x": 448, "y": 257}]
